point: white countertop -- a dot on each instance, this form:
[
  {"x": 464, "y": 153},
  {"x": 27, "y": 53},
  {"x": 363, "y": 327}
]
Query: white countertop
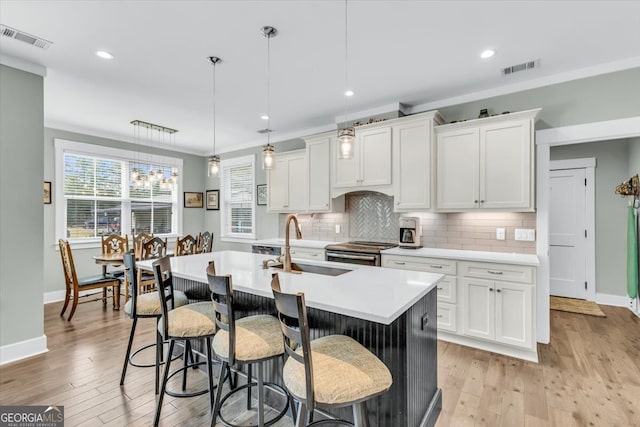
[
  {"x": 372, "y": 293},
  {"x": 302, "y": 243},
  {"x": 480, "y": 256}
]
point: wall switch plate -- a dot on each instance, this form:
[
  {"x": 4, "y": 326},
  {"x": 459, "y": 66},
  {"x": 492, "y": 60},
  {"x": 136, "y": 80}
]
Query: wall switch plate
[
  {"x": 338, "y": 228},
  {"x": 525, "y": 234},
  {"x": 500, "y": 234}
]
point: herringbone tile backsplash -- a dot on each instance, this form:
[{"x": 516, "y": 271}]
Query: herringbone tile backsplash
[{"x": 370, "y": 216}]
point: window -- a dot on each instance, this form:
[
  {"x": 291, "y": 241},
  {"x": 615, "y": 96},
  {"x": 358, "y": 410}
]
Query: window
[
  {"x": 237, "y": 198},
  {"x": 98, "y": 195}
]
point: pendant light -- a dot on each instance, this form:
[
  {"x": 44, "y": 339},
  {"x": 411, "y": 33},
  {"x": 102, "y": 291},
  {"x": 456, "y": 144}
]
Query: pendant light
[
  {"x": 213, "y": 166},
  {"x": 347, "y": 134},
  {"x": 268, "y": 151}
]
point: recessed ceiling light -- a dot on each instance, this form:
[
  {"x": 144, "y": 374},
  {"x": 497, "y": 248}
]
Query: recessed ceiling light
[
  {"x": 264, "y": 117},
  {"x": 487, "y": 53},
  {"x": 348, "y": 93},
  {"x": 104, "y": 55}
]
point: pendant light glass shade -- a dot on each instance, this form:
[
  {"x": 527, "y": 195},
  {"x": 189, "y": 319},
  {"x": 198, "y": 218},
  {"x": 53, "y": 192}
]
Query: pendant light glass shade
[
  {"x": 346, "y": 136},
  {"x": 268, "y": 157},
  {"x": 213, "y": 166}
]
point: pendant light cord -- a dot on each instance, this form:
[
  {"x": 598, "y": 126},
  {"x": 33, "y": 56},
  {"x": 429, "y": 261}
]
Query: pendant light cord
[
  {"x": 214, "y": 108},
  {"x": 268, "y": 88},
  {"x": 346, "y": 64}
]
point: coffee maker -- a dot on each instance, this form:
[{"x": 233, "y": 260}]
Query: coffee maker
[{"x": 410, "y": 232}]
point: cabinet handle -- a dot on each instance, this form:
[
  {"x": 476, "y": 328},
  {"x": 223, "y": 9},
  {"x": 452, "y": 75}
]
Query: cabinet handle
[
  {"x": 498, "y": 290},
  {"x": 327, "y": 205},
  {"x": 435, "y": 266},
  {"x": 439, "y": 289},
  {"x": 494, "y": 272},
  {"x": 481, "y": 201},
  {"x": 440, "y": 316},
  {"x": 475, "y": 201},
  {"x": 398, "y": 263},
  {"x": 314, "y": 254},
  {"x": 490, "y": 289}
]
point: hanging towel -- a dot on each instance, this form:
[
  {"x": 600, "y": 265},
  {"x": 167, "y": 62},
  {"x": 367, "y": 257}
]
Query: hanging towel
[{"x": 632, "y": 255}]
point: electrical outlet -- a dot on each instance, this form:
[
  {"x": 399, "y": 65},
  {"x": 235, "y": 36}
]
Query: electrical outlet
[
  {"x": 500, "y": 234},
  {"x": 525, "y": 234},
  {"x": 338, "y": 228}
]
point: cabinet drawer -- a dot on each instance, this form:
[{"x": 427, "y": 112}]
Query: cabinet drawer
[
  {"x": 432, "y": 265},
  {"x": 447, "y": 289},
  {"x": 307, "y": 253},
  {"x": 502, "y": 272},
  {"x": 447, "y": 317}
]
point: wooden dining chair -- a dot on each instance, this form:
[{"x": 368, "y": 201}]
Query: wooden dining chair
[
  {"x": 186, "y": 245},
  {"x": 205, "y": 242},
  {"x": 74, "y": 285},
  {"x": 114, "y": 243},
  {"x": 138, "y": 240},
  {"x": 152, "y": 248}
]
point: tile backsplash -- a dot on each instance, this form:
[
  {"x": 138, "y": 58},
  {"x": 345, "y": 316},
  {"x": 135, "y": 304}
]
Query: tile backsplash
[{"x": 370, "y": 216}]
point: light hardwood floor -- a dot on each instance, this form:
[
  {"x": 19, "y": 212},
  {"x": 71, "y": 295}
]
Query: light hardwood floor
[{"x": 588, "y": 375}]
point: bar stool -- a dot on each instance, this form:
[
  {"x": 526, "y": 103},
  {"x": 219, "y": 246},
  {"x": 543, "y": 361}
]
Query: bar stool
[
  {"x": 329, "y": 372},
  {"x": 249, "y": 340},
  {"x": 144, "y": 306},
  {"x": 191, "y": 321}
]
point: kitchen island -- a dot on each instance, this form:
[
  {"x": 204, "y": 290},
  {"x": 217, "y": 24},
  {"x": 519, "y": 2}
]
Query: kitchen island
[{"x": 391, "y": 312}]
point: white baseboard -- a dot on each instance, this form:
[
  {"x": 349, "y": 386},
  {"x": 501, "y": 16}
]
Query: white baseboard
[
  {"x": 615, "y": 300},
  {"x": 520, "y": 353},
  {"x": 23, "y": 349}
]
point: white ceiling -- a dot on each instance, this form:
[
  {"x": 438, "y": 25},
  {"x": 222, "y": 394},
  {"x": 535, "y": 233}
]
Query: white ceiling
[{"x": 418, "y": 53}]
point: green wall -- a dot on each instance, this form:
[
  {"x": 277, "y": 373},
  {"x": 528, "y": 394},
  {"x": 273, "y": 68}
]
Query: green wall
[
  {"x": 21, "y": 219},
  {"x": 611, "y": 209},
  {"x": 593, "y": 99},
  {"x": 193, "y": 169}
]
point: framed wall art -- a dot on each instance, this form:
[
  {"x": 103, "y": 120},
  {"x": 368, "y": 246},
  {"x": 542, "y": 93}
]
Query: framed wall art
[
  {"x": 261, "y": 195},
  {"x": 47, "y": 192},
  {"x": 192, "y": 200},
  {"x": 213, "y": 200}
]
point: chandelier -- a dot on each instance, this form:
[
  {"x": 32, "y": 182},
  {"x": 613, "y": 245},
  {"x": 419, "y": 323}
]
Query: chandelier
[{"x": 139, "y": 177}]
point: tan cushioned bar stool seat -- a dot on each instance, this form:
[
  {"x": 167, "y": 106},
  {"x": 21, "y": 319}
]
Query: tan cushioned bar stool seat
[
  {"x": 257, "y": 337},
  {"x": 343, "y": 371},
  {"x": 191, "y": 320},
  {"x": 149, "y": 304}
]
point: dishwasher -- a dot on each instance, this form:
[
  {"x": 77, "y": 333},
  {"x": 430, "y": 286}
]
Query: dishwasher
[{"x": 266, "y": 250}]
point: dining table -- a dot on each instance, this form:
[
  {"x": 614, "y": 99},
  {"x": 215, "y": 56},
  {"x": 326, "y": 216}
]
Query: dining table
[{"x": 113, "y": 259}]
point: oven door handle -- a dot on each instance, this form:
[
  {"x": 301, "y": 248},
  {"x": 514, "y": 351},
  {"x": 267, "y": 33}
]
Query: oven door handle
[{"x": 346, "y": 256}]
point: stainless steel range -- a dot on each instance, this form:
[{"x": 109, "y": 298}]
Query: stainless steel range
[{"x": 358, "y": 252}]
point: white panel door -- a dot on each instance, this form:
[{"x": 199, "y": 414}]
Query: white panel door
[
  {"x": 513, "y": 314},
  {"x": 479, "y": 308},
  {"x": 375, "y": 155},
  {"x": 318, "y": 176},
  {"x": 346, "y": 172},
  {"x": 458, "y": 158},
  {"x": 297, "y": 184},
  {"x": 567, "y": 241},
  {"x": 505, "y": 165},
  {"x": 278, "y": 185},
  {"x": 412, "y": 166}
]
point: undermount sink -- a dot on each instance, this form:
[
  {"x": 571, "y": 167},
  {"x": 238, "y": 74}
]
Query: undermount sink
[{"x": 315, "y": 269}]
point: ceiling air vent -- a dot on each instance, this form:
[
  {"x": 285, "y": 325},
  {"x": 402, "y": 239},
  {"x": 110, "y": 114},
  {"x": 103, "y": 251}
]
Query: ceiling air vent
[
  {"x": 521, "y": 67},
  {"x": 24, "y": 37},
  {"x": 263, "y": 131}
]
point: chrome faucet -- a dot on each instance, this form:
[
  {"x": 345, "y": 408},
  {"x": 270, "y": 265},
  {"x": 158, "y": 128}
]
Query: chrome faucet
[{"x": 287, "y": 248}]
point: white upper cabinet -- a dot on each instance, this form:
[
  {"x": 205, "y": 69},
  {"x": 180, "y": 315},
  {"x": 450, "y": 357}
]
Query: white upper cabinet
[
  {"x": 486, "y": 164},
  {"x": 412, "y": 163},
  {"x": 287, "y": 183},
  {"x": 370, "y": 165},
  {"x": 319, "y": 169}
]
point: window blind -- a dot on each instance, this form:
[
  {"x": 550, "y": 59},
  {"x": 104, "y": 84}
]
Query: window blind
[{"x": 238, "y": 198}]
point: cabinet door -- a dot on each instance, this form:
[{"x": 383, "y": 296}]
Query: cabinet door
[
  {"x": 318, "y": 177},
  {"x": 278, "y": 185},
  {"x": 514, "y": 322},
  {"x": 297, "y": 169},
  {"x": 478, "y": 306},
  {"x": 505, "y": 165},
  {"x": 375, "y": 155},
  {"x": 458, "y": 155},
  {"x": 346, "y": 172},
  {"x": 447, "y": 317},
  {"x": 412, "y": 166},
  {"x": 307, "y": 253}
]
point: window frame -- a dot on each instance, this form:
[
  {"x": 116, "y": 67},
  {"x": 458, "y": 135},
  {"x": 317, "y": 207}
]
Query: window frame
[
  {"x": 62, "y": 146},
  {"x": 226, "y": 164}
]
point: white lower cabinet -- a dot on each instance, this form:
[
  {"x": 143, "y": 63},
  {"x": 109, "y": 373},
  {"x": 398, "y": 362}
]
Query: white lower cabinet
[
  {"x": 307, "y": 253},
  {"x": 481, "y": 304}
]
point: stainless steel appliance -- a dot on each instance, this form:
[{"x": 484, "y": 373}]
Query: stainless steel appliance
[
  {"x": 365, "y": 253},
  {"x": 410, "y": 232},
  {"x": 266, "y": 249}
]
